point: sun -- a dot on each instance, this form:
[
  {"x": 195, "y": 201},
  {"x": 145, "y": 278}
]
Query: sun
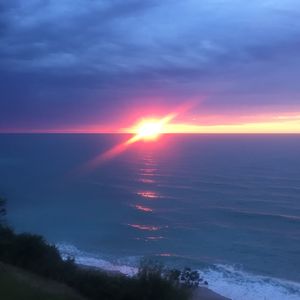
[{"x": 150, "y": 129}]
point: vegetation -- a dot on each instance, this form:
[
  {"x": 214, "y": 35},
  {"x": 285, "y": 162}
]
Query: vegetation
[
  {"x": 16, "y": 284},
  {"x": 32, "y": 253},
  {"x": 190, "y": 278},
  {"x": 186, "y": 278}
]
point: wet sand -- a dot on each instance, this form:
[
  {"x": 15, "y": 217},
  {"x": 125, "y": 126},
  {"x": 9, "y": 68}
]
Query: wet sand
[{"x": 203, "y": 293}]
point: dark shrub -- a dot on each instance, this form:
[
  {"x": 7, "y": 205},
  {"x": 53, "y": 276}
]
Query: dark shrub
[
  {"x": 33, "y": 253},
  {"x": 190, "y": 278}
]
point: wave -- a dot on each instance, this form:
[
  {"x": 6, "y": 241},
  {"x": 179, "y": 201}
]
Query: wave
[
  {"x": 259, "y": 215},
  {"x": 93, "y": 260},
  {"x": 240, "y": 285},
  {"x": 226, "y": 280}
]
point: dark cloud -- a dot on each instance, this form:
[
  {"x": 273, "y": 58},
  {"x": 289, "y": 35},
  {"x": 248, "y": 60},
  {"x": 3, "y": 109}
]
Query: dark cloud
[{"x": 79, "y": 58}]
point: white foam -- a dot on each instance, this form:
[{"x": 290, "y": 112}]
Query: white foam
[
  {"x": 93, "y": 260},
  {"x": 240, "y": 285},
  {"x": 223, "y": 279}
]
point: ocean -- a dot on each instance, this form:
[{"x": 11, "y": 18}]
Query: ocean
[{"x": 226, "y": 205}]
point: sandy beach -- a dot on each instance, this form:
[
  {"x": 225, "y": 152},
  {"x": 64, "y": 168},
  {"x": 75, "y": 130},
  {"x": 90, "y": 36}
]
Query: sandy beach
[{"x": 204, "y": 293}]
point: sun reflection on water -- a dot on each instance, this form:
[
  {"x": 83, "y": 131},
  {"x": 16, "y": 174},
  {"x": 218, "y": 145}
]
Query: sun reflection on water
[
  {"x": 143, "y": 208},
  {"x": 148, "y": 194},
  {"x": 145, "y": 227},
  {"x": 150, "y": 238},
  {"x": 146, "y": 180},
  {"x": 145, "y": 191},
  {"x": 154, "y": 238}
]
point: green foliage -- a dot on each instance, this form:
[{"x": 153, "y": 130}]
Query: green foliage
[
  {"x": 33, "y": 253},
  {"x": 173, "y": 275},
  {"x": 155, "y": 282},
  {"x": 187, "y": 278},
  {"x": 16, "y": 285}
]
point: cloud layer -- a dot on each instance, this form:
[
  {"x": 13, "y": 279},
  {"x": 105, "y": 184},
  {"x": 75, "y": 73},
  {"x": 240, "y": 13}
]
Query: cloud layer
[{"x": 77, "y": 62}]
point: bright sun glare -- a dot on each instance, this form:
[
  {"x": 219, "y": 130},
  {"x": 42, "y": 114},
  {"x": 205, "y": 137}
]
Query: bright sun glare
[
  {"x": 146, "y": 130},
  {"x": 150, "y": 130}
]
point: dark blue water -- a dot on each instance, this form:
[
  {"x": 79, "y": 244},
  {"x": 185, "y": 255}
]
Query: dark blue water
[{"x": 227, "y": 205}]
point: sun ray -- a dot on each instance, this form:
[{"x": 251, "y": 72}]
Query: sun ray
[
  {"x": 146, "y": 130},
  {"x": 150, "y": 129}
]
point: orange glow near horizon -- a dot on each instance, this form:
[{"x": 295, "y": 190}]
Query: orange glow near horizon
[
  {"x": 147, "y": 130},
  {"x": 150, "y": 129},
  {"x": 271, "y": 127},
  {"x": 262, "y": 124}
]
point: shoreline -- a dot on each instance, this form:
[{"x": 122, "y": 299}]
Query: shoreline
[{"x": 205, "y": 293}]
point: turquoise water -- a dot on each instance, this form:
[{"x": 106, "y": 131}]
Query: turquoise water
[{"x": 226, "y": 205}]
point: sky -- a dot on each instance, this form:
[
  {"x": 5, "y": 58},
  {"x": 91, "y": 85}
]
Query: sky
[{"x": 101, "y": 65}]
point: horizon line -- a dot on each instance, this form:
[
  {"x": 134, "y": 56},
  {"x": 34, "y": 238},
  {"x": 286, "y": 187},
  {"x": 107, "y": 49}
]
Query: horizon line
[{"x": 165, "y": 133}]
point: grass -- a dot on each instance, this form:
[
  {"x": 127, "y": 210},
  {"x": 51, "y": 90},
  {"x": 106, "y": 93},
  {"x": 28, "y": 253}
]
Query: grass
[
  {"x": 16, "y": 284},
  {"x": 34, "y": 254}
]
